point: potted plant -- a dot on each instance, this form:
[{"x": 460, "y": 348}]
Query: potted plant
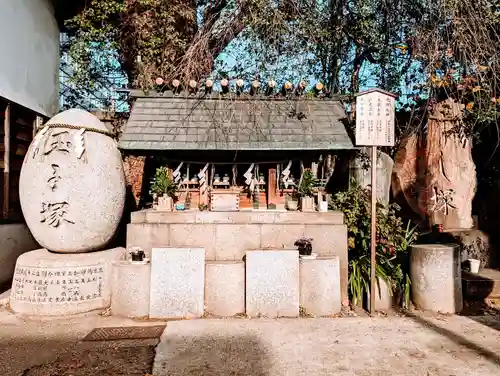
[
  {"x": 304, "y": 245},
  {"x": 306, "y": 191},
  {"x": 163, "y": 189},
  {"x": 137, "y": 255}
]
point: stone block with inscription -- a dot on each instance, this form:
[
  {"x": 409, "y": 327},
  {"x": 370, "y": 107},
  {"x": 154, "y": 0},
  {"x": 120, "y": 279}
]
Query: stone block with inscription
[
  {"x": 72, "y": 184},
  {"x": 272, "y": 283},
  {"x": 51, "y": 284},
  {"x": 177, "y": 282}
]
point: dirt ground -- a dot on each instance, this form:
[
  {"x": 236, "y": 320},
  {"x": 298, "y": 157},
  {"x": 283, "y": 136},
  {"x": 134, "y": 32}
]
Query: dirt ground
[
  {"x": 127, "y": 358},
  {"x": 356, "y": 345}
]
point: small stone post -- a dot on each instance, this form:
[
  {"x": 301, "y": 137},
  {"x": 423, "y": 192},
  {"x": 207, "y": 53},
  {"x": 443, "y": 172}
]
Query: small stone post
[{"x": 436, "y": 277}]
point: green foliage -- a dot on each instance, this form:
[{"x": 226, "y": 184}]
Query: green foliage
[
  {"x": 393, "y": 239},
  {"x": 307, "y": 185},
  {"x": 162, "y": 184}
]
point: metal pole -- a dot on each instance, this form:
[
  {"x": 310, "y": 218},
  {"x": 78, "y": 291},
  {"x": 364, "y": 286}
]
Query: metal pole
[
  {"x": 6, "y": 162},
  {"x": 373, "y": 281}
]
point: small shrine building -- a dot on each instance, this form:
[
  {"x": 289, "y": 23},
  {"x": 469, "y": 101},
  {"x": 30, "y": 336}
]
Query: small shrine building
[{"x": 250, "y": 144}]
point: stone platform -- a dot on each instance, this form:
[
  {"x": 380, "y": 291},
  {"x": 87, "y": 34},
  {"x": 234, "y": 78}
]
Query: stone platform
[
  {"x": 52, "y": 284},
  {"x": 227, "y": 236},
  {"x": 483, "y": 285}
]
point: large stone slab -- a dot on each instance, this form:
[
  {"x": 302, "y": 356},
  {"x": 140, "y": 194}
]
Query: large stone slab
[
  {"x": 233, "y": 240},
  {"x": 272, "y": 283},
  {"x": 320, "y": 286},
  {"x": 177, "y": 282},
  {"x": 148, "y": 236},
  {"x": 435, "y": 271},
  {"x": 225, "y": 288},
  {"x": 51, "y": 284},
  {"x": 130, "y": 289},
  {"x": 195, "y": 236},
  {"x": 242, "y": 217}
]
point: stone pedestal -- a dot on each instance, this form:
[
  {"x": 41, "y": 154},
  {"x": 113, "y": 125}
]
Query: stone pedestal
[
  {"x": 51, "y": 284},
  {"x": 130, "y": 289},
  {"x": 272, "y": 283},
  {"x": 481, "y": 286},
  {"x": 225, "y": 287},
  {"x": 320, "y": 286},
  {"x": 436, "y": 277},
  {"x": 177, "y": 282},
  {"x": 360, "y": 172}
]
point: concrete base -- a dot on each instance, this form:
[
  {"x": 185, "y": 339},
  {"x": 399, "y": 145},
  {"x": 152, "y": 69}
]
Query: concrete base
[
  {"x": 481, "y": 286},
  {"x": 130, "y": 289},
  {"x": 436, "y": 278},
  {"x": 177, "y": 283},
  {"x": 384, "y": 301},
  {"x": 52, "y": 284},
  {"x": 15, "y": 239},
  {"x": 320, "y": 286},
  {"x": 272, "y": 283},
  {"x": 226, "y": 236},
  {"x": 225, "y": 288}
]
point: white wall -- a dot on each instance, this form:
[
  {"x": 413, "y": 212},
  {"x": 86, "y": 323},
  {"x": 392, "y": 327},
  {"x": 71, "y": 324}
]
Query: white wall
[
  {"x": 15, "y": 239},
  {"x": 29, "y": 54}
]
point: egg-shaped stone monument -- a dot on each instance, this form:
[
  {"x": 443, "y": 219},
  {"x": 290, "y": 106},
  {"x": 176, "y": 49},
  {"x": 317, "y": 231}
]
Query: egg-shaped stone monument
[{"x": 72, "y": 184}]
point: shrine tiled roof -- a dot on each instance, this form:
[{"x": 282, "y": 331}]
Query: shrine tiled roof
[{"x": 231, "y": 122}]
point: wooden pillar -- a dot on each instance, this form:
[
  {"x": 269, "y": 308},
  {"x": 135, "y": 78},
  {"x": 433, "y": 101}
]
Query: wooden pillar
[
  {"x": 6, "y": 162},
  {"x": 37, "y": 123},
  {"x": 272, "y": 186},
  {"x": 134, "y": 172}
]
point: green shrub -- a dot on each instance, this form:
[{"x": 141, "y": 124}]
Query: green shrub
[
  {"x": 162, "y": 184},
  {"x": 393, "y": 239}
]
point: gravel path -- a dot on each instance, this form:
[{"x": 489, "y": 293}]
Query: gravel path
[{"x": 409, "y": 346}]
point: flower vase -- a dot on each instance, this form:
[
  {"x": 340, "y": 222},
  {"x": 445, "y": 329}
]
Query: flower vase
[
  {"x": 307, "y": 204},
  {"x": 164, "y": 203}
]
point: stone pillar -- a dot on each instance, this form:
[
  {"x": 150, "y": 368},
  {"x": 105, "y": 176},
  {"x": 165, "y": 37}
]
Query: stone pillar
[
  {"x": 177, "y": 283},
  {"x": 320, "y": 286},
  {"x": 272, "y": 186},
  {"x": 225, "y": 288},
  {"x": 272, "y": 283},
  {"x": 436, "y": 277},
  {"x": 360, "y": 171},
  {"x": 130, "y": 289},
  {"x": 134, "y": 171}
]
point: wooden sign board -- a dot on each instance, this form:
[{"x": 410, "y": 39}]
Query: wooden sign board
[
  {"x": 224, "y": 200},
  {"x": 375, "y": 118}
]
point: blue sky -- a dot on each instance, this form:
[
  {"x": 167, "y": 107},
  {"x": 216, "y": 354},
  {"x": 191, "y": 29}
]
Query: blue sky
[{"x": 236, "y": 58}]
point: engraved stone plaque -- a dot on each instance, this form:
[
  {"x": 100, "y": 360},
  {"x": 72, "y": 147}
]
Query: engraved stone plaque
[
  {"x": 52, "y": 284},
  {"x": 56, "y": 285}
]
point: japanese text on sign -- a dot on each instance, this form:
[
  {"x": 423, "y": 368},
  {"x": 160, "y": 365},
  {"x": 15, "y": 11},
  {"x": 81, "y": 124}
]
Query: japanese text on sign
[{"x": 375, "y": 119}]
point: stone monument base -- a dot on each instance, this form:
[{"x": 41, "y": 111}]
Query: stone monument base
[{"x": 54, "y": 284}]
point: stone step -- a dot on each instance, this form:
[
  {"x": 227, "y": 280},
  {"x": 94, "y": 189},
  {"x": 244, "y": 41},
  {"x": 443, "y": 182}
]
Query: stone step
[{"x": 483, "y": 285}]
